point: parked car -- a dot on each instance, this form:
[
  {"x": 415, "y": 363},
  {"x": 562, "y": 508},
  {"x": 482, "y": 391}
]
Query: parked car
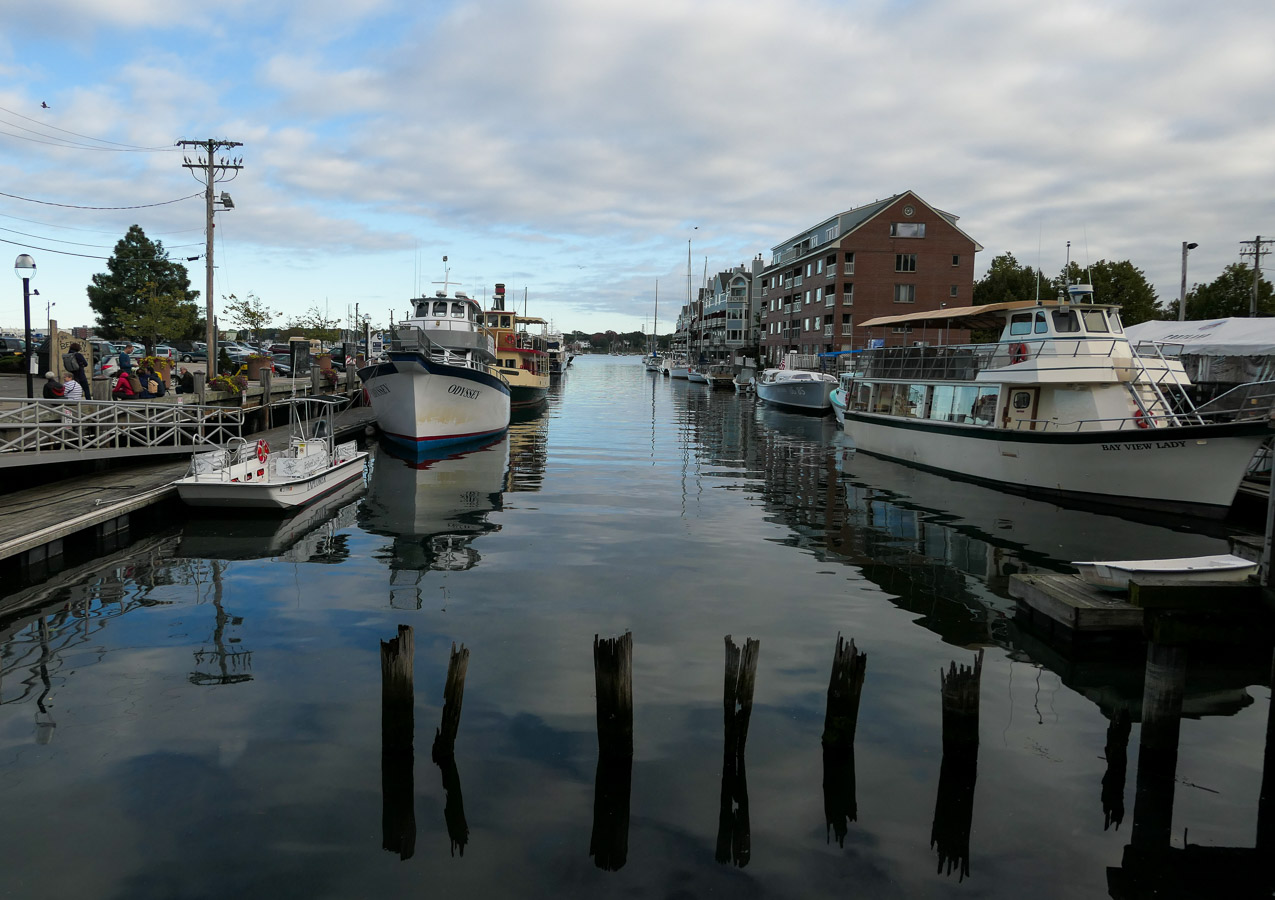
[
  {"x": 195, "y": 350},
  {"x": 282, "y": 363},
  {"x": 166, "y": 351}
]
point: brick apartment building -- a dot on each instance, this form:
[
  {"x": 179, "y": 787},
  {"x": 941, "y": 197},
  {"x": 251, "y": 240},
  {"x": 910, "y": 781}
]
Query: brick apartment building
[{"x": 891, "y": 257}]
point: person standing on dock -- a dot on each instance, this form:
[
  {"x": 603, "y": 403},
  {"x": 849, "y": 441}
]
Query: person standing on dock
[
  {"x": 77, "y": 365},
  {"x": 126, "y": 359}
]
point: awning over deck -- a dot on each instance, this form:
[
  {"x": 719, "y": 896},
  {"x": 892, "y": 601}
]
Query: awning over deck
[{"x": 989, "y": 315}]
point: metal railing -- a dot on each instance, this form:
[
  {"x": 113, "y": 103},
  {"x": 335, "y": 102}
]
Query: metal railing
[
  {"x": 964, "y": 361},
  {"x": 47, "y": 426}
]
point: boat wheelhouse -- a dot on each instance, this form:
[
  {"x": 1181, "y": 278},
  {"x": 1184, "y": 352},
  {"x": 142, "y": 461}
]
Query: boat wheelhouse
[
  {"x": 522, "y": 354},
  {"x": 1062, "y": 404}
]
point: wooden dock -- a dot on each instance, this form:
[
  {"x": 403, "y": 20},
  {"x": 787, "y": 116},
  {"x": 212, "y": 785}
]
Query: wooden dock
[
  {"x": 1069, "y": 603},
  {"x": 35, "y": 523}
]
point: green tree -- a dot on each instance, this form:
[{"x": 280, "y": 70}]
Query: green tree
[
  {"x": 139, "y": 273},
  {"x": 1122, "y": 283},
  {"x": 157, "y": 317},
  {"x": 315, "y": 324},
  {"x": 249, "y": 313},
  {"x": 1230, "y": 294},
  {"x": 1006, "y": 280}
]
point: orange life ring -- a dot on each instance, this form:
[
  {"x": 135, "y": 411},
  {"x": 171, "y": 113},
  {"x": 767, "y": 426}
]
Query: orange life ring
[
  {"x": 1017, "y": 353},
  {"x": 1140, "y": 419},
  {"x": 263, "y": 451}
]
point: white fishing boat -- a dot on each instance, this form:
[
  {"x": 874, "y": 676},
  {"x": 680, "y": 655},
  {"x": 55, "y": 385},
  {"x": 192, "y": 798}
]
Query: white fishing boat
[
  {"x": 1061, "y": 405},
  {"x": 440, "y": 384},
  {"x": 804, "y": 390},
  {"x": 249, "y": 474},
  {"x": 1115, "y": 575}
]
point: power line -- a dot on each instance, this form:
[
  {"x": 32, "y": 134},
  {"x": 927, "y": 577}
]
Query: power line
[
  {"x": 73, "y": 206},
  {"x": 89, "y": 230},
  {"x": 89, "y": 256},
  {"x": 41, "y": 237},
  {"x": 131, "y": 147}
]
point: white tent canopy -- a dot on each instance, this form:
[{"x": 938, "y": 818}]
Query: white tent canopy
[{"x": 1211, "y": 337}]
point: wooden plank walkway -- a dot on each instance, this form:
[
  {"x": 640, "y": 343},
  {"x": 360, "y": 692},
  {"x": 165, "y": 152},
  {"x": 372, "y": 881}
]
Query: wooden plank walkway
[
  {"x": 36, "y": 517},
  {"x": 1073, "y": 604}
]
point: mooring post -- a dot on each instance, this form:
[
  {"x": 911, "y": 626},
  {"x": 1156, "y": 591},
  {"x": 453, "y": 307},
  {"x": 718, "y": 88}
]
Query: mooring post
[
  {"x": 954, "y": 805},
  {"x": 613, "y": 681},
  {"x": 444, "y": 750},
  {"x": 734, "y": 842},
  {"x": 841, "y": 719},
  {"x": 398, "y": 818},
  {"x": 1162, "y": 690}
]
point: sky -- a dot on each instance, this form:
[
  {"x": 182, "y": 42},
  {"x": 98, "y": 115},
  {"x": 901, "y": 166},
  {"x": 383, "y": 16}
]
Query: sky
[{"x": 572, "y": 149}]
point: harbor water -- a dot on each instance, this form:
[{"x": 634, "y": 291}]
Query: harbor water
[{"x": 202, "y": 712}]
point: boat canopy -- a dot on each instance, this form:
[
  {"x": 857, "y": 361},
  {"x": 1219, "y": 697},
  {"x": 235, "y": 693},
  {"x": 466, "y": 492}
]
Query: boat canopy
[
  {"x": 989, "y": 315},
  {"x": 1234, "y": 336}
]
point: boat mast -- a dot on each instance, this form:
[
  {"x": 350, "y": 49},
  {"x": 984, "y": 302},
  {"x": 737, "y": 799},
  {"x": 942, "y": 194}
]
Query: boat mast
[{"x": 655, "y": 325}]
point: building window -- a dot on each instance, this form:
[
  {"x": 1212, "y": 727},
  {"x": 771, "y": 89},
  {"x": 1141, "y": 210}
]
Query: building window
[
  {"x": 807, "y": 270},
  {"x": 905, "y": 262},
  {"x": 907, "y": 229},
  {"x": 846, "y": 323},
  {"x": 818, "y": 323},
  {"x": 847, "y": 291},
  {"x": 819, "y": 267},
  {"x": 953, "y": 291},
  {"x": 901, "y": 329},
  {"x": 956, "y": 259},
  {"x": 905, "y": 293},
  {"x": 807, "y": 297},
  {"x": 849, "y": 263}
]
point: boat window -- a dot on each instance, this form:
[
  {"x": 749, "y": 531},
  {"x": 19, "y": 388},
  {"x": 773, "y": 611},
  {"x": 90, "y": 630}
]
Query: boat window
[
  {"x": 422, "y": 309},
  {"x": 1042, "y": 324},
  {"x": 505, "y": 322},
  {"x": 458, "y": 310},
  {"x": 440, "y": 307},
  {"x": 1065, "y": 322},
  {"x": 915, "y": 402},
  {"x": 885, "y": 398},
  {"x": 1114, "y": 318},
  {"x": 941, "y": 397},
  {"x": 862, "y": 394},
  {"x": 984, "y": 409},
  {"x": 1095, "y": 321},
  {"x": 1020, "y": 323}
]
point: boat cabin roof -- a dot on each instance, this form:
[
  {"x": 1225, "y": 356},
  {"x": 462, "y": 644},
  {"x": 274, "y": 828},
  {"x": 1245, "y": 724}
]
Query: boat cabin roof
[
  {"x": 443, "y": 307},
  {"x": 989, "y": 315}
]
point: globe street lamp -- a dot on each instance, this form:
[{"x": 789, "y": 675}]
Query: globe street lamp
[
  {"x": 1186, "y": 248},
  {"x": 24, "y": 268}
]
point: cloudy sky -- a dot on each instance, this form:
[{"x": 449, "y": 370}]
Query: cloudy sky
[{"x": 572, "y": 148}]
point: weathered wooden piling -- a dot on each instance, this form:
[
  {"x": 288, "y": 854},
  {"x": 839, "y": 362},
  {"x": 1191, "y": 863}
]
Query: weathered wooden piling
[
  {"x": 954, "y": 805},
  {"x": 1117, "y": 754},
  {"x": 443, "y": 751},
  {"x": 734, "y": 842},
  {"x": 613, "y": 680},
  {"x": 398, "y": 817},
  {"x": 841, "y": 718}
]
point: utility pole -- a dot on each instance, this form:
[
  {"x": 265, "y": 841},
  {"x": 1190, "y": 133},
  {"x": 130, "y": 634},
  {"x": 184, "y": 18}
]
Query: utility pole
[
  {"x": 1257, "y": 253},
  {"x": 212, "y": 171}
]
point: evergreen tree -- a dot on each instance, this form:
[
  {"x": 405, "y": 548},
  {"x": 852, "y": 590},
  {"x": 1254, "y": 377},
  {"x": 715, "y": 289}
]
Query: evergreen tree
[{"x": 139, "y": 272}]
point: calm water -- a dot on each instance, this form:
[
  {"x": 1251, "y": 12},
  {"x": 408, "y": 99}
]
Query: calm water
[{"x": 200, "y": 713}]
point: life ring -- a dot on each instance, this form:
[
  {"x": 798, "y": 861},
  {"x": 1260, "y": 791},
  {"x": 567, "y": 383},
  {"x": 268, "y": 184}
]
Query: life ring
[
  {"x": 263, "y": 451},
  {"x": 1017, "y": 353},
  {"x": 1140, "y": 419}
]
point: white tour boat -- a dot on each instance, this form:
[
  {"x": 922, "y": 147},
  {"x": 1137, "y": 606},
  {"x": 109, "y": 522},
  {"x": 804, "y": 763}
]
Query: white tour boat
[
  {"x": 1062, "y": 405},
  {"x": 250, "y": 475},
  {"x": 441, "y": 384},
  {"x": 804, "y": 390}
]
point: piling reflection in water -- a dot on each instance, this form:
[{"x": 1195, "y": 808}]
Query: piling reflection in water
[
  {"x": 841, "y": 720},
  {"x": 398, "y": 756},
  {"x": 612, "y": 785},
  {"x": 734, "y": 836},
  {"x": 444, "y": 750},
  {"x": 954, "y": 806}
]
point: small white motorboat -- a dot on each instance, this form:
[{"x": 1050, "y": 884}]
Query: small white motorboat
[
  {"x": 1115, "y": 575},
  {"x": 250, "y": 475},
  {"x": 744, "y": 380}
]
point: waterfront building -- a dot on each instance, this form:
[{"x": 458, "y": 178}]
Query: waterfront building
[
  {"x": 729, "y": 310},
  {"x": 889, "y": 257}
]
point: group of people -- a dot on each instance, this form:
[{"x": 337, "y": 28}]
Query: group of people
[{"x": 142, "y": 383}]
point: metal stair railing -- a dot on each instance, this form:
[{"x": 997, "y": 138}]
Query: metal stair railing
[
  {"x": 44, "y": 426},
  {"x": 1184, "y": 412}
]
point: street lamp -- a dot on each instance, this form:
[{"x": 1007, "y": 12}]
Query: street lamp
[
  {"x": 1186, "y": 248},
  {"x": 24, "y": 268}
]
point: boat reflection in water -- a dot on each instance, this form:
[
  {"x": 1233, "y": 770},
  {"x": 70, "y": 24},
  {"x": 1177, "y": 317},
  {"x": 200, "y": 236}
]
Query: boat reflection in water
[
  {"x": 312, "y": 535},
  {"x": 434, "y": 508}
]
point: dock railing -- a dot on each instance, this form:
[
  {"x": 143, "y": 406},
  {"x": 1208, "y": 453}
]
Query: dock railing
[{"x": 38, "y": 427}]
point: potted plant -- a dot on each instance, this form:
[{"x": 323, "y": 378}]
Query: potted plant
[
  {"x": 161, "y": 366},
  {"x": 257, "y": 362},
  {"x": 325, "y": 361},
  {"x": 229, "y": 384},
  {"x": 329, "y": 375}
]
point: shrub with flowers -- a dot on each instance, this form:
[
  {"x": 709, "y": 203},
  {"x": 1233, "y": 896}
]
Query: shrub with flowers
[
  {"x": 230, "y": 384},
  {"x": 329, "y": 376}
]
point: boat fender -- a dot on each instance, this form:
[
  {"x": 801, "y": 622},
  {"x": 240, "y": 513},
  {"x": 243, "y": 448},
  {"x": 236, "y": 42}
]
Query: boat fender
[
  {"x": 263, "y": 451},
  {"x": 1140, "y": 419},
  {"x": 1017, "y": 353}
]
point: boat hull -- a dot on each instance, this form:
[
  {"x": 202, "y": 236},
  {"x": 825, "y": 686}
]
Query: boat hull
[
  {"x": 420, "y": 403},
  {"x": 1195, "y": 469},
  {"x": 270, "y": 495},
  {"x": 803, "y": 396}
]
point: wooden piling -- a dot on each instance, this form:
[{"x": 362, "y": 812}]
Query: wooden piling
[
  {"x": 734, "y": 842},
  {"x": 1164, "y": 684},
  {"x": 398, "y": 817},
  {"x": 443, "y": 751},
  {"x": 613, "y": 681},
  {"x": 841, "y": 718},
  {"x": 954, "y": 805}
]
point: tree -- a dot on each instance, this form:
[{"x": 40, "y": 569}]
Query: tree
[
  {"x": 1117, "y": 282},
  {"x": 1230, "y": 294},
  {"x": 1006, "y": 280},
  {"x": 155, "y": 317},
  {"x": 139, "y": 273},
  {"x": 315, "y": 324},
  {"x": 249, "y": 313}
]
